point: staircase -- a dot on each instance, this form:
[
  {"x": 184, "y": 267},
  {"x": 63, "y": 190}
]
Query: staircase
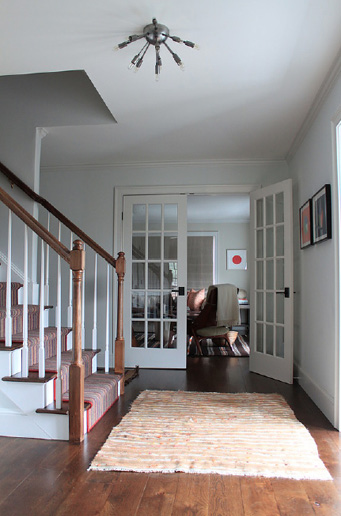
[
  {"x": 28, "y": 404},
  {"x": 50, "y": 386}
]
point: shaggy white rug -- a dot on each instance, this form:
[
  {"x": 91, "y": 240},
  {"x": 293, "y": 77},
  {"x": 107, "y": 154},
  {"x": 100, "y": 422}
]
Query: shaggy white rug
[{"x": 228, "y": 434}]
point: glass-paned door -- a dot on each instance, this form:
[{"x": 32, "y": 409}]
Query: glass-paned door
[
  {"x": 155, "y": 239},
  {"x": 271, "y": 335}
]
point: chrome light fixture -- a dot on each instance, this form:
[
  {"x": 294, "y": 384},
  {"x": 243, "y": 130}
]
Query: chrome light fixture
[{"x": 155, "y": 34}]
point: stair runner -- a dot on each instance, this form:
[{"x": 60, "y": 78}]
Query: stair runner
[{"x": 100, "y": 390}]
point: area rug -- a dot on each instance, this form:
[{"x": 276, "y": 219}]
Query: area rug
[
  {"x": 228, "y": 434},
  {"x": 220, "y": 348}
]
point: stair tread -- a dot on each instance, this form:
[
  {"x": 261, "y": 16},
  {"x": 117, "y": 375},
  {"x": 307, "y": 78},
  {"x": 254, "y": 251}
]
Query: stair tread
[{"x": 33, "y": 377}]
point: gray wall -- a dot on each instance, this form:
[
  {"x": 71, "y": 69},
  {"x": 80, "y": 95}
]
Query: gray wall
[
  {"x": 316, "y": 280},
  {"x": 230, "y": 236}
]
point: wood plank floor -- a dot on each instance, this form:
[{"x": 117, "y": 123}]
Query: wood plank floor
[{"x": 51, "y": 478}]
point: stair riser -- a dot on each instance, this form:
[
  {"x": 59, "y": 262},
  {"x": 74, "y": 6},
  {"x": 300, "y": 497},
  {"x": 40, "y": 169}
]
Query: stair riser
[
  {"x": 14, "y": 293},
  {"x": 17, "y": 319}
]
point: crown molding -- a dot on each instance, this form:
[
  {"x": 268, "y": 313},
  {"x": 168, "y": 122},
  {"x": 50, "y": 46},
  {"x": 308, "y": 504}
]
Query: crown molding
[
  {"x": 319, "y": 99},
  {"x": 157, "y": 164}
]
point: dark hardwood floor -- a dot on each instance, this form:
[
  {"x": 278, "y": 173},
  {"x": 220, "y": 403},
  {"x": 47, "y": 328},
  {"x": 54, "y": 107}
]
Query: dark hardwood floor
[{"x": 50, "y": 478}]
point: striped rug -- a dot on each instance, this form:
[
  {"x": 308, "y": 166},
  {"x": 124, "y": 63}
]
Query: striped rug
[
  {"x": 220, "y": 348},
  {"x": 228, "y": 434}
]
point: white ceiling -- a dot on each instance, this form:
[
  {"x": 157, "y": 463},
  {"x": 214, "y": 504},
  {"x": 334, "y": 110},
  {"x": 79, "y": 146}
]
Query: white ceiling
[{"x": 244, "y": 95}]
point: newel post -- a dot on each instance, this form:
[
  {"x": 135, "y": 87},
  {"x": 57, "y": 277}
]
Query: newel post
[
  {"x": 76, "y": 402},
  {"x": 119, "y": 342}
]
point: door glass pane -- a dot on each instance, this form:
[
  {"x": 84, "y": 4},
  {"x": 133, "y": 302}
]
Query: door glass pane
[
  {"x": 259, "y": 338},
  {"x": 170, "y": 278},
  {"x": 269, "y": 339},
  {"x": 269, "y": 307},
  {"x": 259, "y": 214},
  {"x": 169, "y": 335},
  {"x": 138, "y": 275},
  {"x": 280, "y": 308},
  {"x": 137, "y": 305},
  {"x": 154, "y": 334},
  {"x": 269, "y": 242},
  {"x": 153, "y": 304},
  {"x": 171, "y": 217},
  {"x": 269, "y": 264},
  {"x": 260, "y": 309},
  {"x": 260, "y": 244},
  {"x": 171, "y": 247},
  {"x": 139, "y": 247},
  {"x": 260, "y": 282},
  {"x": 137, "y": 340},
  {"x": 280, "y": 241},
  {"x": 280, "y": 274},
  {"x": 280, "y": 341},
  {"x": 154, "y": 247},
  {"x": 154, "y": 217},
  {"x": 279, "y": 207},
  {"x": 154, "y": 275},
  {"x": 139, "y": 217},
  {"x": 269, "y": 208},
  {"x": 170, "y": 304}
]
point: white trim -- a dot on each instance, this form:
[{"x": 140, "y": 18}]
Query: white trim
[
  {"x": 320, "y": 397},
  {"x": 336, "y": 206},
  {"x": 158, "y": 164},
  {"x": 319, "y": 99}
]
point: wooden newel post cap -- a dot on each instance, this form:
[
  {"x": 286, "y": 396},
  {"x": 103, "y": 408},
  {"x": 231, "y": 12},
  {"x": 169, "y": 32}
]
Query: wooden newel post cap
[
  {"x": 121, "y": 263},
  {"x": 77, "y": 258}
]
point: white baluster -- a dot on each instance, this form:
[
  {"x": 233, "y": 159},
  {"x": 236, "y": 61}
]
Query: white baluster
[
  {"x": 94, "y": 330},
  {"x": 41, "y": 317},
  {"x": 24, "y": 355},
  {"x": 47, "y": 275},
  {"x": 59, "y": 329},
  {"x": 106, "y": 356},
  {"x": 69, "y": 310},
  {"x": 83, "y": 309},
  {"x": 8, "y": 322}
]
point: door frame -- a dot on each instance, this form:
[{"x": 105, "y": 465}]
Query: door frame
[
  {"x": 121, "y": 191},
  {"x": 336, "y": 208}
]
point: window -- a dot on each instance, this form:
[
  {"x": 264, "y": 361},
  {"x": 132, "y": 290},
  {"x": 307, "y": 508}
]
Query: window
[{"x": 201, "y": 259}]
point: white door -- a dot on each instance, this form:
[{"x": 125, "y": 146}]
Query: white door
[
  {"x": 271, "y": 316},
  {"x": 155, "y": 244}
]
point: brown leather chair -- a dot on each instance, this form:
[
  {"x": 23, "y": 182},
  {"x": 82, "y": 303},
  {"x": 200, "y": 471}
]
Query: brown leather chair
[{"x": 205, "y": 326}]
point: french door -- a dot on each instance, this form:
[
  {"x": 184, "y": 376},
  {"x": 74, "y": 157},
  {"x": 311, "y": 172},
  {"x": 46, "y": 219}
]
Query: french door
[
  {"x": 155, "y": 245},
  {"x": 271, "y": 329}
]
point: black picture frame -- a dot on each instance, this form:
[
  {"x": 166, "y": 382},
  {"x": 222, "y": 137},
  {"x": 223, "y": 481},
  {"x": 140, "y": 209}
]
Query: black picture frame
[
  {"x": 321, "y": 215},
  {"x": 306, "y": 224}
]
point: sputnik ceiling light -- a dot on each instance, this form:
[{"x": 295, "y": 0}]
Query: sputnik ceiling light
[{"x": 156, "y": 35}]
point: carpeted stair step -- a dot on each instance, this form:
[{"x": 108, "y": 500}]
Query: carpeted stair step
[
  {"x": 50, "y": 342},
  {"x": 66, "y": 359},
  {"x": 101, "y": 391},
  {"x": 15, "y": 287},
  {"x": 17, "y": 319}
]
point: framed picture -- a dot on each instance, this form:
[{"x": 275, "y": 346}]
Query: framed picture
[
  {"x": 321, "y": 211},
  {"x": 306, "y": 226},
  {"x": 236, "y": 259}
]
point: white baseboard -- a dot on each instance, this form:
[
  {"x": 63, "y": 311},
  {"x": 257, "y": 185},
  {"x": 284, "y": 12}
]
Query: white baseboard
[{"x": 320, "y": 397}]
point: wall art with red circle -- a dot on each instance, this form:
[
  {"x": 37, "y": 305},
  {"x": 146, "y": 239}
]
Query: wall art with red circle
[{"x": 236, "y": 259}]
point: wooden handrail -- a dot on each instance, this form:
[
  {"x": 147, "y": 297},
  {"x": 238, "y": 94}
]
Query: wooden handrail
[
  {"x": 32, "y": 223},
  {"x": 49, "y": 207}
]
